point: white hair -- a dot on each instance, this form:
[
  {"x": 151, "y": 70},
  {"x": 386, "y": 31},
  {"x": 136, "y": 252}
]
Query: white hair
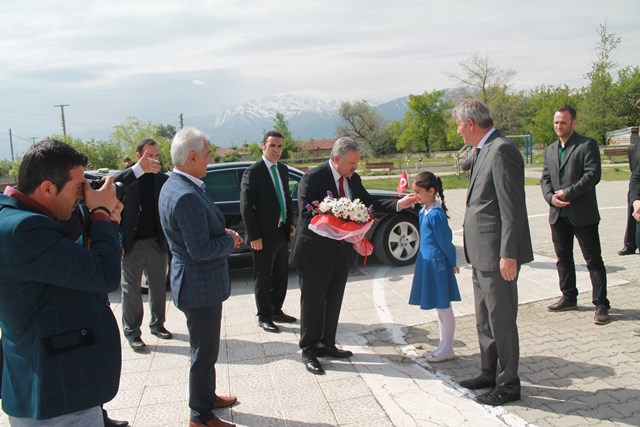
[{"x": 185, "y": 141}]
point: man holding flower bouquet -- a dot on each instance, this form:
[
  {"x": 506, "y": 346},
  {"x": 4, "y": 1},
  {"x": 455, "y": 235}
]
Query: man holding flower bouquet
[{"x": 323, "y": 262}]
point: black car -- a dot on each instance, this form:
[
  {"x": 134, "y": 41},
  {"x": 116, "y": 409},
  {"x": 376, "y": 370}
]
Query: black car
[{"x": 395, "y": 236}]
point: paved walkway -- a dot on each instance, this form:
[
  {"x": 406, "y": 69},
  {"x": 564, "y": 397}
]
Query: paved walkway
[{"x": 573, "y": 372}]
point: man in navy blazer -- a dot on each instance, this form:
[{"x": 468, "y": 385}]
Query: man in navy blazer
[
  {"x": 200, "y": 245},
  {"x": 323, "y": 264},
  {"x": 265, "y": 205},
  {"x": 61, "y": 342},
  {"x": 570, "y": 174}
]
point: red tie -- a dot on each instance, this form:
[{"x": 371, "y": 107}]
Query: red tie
[{"x": 340, "y": 187}]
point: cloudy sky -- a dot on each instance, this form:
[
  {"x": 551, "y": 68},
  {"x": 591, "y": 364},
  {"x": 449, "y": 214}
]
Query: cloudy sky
[{"x": 156, "y": 59}]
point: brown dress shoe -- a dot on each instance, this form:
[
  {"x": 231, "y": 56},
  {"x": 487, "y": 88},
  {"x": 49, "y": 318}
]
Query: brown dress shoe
[
  {"x": 601, "y": 317},
  {"x": 213, "y": 422},
  {"x": 225, "y": 401},
  {"x": 562, "y": 305}
]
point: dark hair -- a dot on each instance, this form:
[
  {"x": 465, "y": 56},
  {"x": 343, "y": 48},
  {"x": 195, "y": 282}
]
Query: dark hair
[
  {"x": 48, "y": 160},
  {"x": 145, "y": 141},
  {"x": 273, "y": 133},
  {"x": 429, "y": 180},
  {"x": 569, "y": 108}
]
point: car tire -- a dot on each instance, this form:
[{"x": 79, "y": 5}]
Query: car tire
[{"x": 397, "y": 240}]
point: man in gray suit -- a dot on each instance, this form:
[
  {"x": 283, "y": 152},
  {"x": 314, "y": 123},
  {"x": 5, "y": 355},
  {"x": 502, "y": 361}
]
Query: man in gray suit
[
  {"x": 569, "y": 177},
  {"x": 200, "y": 245},
  {"x": 496, "y": 243}
]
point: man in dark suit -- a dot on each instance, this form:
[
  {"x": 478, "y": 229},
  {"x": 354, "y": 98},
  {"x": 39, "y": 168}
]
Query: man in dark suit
[
  {"x": 630, "y": 245},
  {"x": 61, "y": 343},
  {"x": 570, "y": 174},
  {"x": 144, "y": 244},
  {"x": 496, "y": 243},
  {"x": 323, "y": 264},
  {"x": 265, "y": 205},
  {"x": 200, "y": 245}
]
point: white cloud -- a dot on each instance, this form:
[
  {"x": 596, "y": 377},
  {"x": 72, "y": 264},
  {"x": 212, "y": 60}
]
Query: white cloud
[{"x": 199, "y": 83}]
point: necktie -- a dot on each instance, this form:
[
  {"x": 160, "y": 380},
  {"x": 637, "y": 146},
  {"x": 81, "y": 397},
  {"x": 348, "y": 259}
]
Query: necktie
[
  {"x": 341, "y": 187},
  {"x": 276, "y": 181},
  {"x": 475, "y": 158}
]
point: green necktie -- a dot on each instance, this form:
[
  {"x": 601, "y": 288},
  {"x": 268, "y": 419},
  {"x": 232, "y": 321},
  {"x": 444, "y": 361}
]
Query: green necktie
[{"x": 276, "y": 181}]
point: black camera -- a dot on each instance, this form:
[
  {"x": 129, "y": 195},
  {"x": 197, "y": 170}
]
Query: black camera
[{"x": 121, "y": 191}]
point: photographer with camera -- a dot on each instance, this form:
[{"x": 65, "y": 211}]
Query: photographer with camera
[
  {"x": 145, "y": 247},
  {"x": 62, "y": 355}
]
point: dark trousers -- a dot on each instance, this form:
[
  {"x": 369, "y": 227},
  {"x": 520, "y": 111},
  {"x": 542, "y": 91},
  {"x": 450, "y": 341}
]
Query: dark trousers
[
  {"x": 321, "y": 292},
  {"x": 630, "y": 232},
  {"x": 271, "y": 275},
  {"x": 496, "y": 304},
  {"x": 562, "y": 234},
  {"x": 204, "y": 338}
]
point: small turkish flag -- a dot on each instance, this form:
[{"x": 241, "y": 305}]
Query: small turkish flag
[{"x": 403, "y": 184}]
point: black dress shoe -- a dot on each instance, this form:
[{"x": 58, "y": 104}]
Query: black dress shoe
[
  {"x": 562, "y": 305},
  {"x": 496, "y": 397},
  {"x": 311, "y": 362},
  {"x": 161, "y": 333},
  {"x": 333, "y": 352},
  {"x": 108, "y": 422},
  {"x": 627, "y": 250},
  {"x": 137, "y": 344},
  {"x": 479, "y": 382},
  {"x": 280, "y": 316},
  {"x": 268, "y": 326}
]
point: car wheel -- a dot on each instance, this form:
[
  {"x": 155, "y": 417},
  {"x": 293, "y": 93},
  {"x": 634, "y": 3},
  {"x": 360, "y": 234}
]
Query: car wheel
[{"x": 397, "y": 240}]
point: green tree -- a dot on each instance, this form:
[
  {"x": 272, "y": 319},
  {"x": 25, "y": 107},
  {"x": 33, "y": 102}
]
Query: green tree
[
  {"x": 543, "y": 102},
  {"x": 166, "y": 131},
  {"x": 425, "y": 124},
  {"x": 132, "y": 131},
  {"x": 282, "y": 126},
  {"x": 364, "y": 124},
  {"x": 255, "y": 152},
  {"x": 598, "y": 114},
  {"x": 627, "y": 92},
  {"x": 509, "y": 111}
]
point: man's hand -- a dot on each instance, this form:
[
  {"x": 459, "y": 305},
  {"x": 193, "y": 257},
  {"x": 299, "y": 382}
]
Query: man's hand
[
  {"x": 149, "y": 165},
  {"x": 115, "y": 214},
  {"x": 237, "y": 240},
  {"x": 407, "y": 201},
  {"x": 292, "y": 230},
  {"x": 558, "y": 199},
  {"x": 508, "y": 269},
  {"x": 105, "y": 196},
  {"x": 256, "y": 245},
  {"x": 636, "y": 210}
]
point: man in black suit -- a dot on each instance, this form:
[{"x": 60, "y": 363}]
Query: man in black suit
[
  {"x": 323, "y": 264},
  {"x": 569, "y": 177},
  {"x": 630, "y": 245},
  {"x": 265, "y": 206},
  {"x": 144, "y": 244}
]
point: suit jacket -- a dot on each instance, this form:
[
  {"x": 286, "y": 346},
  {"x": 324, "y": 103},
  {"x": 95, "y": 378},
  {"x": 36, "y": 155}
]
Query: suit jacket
[
  {"x": 195, "y": 231},
  {"x": 131, "y": 212},
  {"x": 61, "y": 341},
  {"x": 314, "y": 186},
  {"x": 495, "y": 221},
  {"x": 577, "y": 176},
  {"x": 259, "y": 205}
]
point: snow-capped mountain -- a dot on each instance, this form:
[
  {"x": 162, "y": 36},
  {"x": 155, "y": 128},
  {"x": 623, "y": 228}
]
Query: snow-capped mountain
[{"x": 307, "y": 117}]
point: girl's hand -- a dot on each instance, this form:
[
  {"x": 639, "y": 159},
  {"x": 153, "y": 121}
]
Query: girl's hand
[{"x": 456, "y": 269}]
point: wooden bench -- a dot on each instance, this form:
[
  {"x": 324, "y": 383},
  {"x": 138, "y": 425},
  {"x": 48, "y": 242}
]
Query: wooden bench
[
  {"x": 378, "y": 165},
  {"x": 616, "y": 150}
]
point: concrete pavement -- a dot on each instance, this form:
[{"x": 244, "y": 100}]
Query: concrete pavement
[{"x": 573, "y": 371}]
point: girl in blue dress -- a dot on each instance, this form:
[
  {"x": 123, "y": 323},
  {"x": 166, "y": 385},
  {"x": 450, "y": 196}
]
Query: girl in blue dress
[{"x": 434, "y": 283}]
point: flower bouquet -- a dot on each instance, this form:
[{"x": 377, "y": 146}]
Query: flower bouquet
[{"x": 343, "y": 219}]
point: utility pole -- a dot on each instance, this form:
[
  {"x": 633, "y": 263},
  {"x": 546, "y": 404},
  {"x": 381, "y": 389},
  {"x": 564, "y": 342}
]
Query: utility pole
[
  {"x": 64, "y": 125},
  {"x": 11, "y": 144},
  {"x": 181, "y": 121},
  {"x": 33, "y": 139}
]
